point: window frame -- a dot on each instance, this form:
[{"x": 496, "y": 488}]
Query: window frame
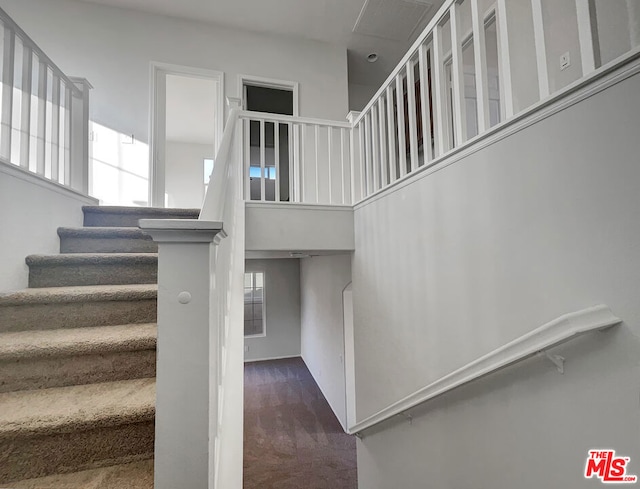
[{"x": 264, "y": 303}]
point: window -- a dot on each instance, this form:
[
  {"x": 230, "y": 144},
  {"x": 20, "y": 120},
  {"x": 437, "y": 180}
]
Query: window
[
  {"x": 254, "y": 305},
  {"x": 207, "y": 166}
]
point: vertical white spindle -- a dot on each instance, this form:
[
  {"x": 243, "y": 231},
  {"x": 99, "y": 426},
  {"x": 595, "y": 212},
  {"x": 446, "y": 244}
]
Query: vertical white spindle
[
  {"x": 363, "y": 159},
  {"x": 55, "y": 128},
  {"x": 342, "y": 173},
  {"x": 588, "y": 36},
  {"x": 541, "y": 52},
  {"x": 25, "y": 116},
  {"x": 67, "y": 135},
  {"x": 384, "y": 154},
  {"x": 246, "y": 123},
  {"x": 8, "y": 65},
  {"x": 425, "y": 104},
  {"x": 329, "y": 162},
  {"x": 402, "y": 138},
  {"x": 263, "y": 190},
  {"x": 351, "y": 117},
  {"x": 316, "y": 138},
  {"x": 276, "y": 157},
  {"x": 480, "y": 61},
  {"x": 391, "y": 131},
  {"x": 292, "y": 170},
  {"x": 42, "y": 117},
  {"x": 504, "y": 59},
  {"x": 301, "y": 164},
  {"x": 457, "y": 75},
  {"x": 367, "y": 149},
  {"x": 413, "y": 127},
  {"x": 80, "y": 150},
  {"x": 375, "y": 147},
  {"x": 441, "y": 128}
]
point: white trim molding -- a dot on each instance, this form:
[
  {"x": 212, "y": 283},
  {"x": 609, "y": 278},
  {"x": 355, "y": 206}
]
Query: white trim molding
[
  {"x": 157, "y": 116},
  {"x": 560, "y": 330}
]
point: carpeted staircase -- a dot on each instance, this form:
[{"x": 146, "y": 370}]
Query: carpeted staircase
[{"x": 77, "y": 358}]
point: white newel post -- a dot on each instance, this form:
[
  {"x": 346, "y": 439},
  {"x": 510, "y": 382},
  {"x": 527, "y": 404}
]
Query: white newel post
[
  {"x": 185, "y": 369},
  {"x": 351, "y": 117},
  {"x": 78, "y": 178}
]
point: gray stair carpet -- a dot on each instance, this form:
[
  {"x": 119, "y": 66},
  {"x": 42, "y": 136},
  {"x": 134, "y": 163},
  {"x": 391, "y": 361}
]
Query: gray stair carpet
[{"x": 78, "y": 358}]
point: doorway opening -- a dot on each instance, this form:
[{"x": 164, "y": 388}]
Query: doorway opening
[
  {"x": 187, "y": 121},
  {"x": 274, "y": 97}
]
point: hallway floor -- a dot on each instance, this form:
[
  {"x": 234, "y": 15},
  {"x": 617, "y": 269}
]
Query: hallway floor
[{"x": 292, "y": 439}]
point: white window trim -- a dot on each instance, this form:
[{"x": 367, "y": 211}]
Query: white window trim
[{"x": 264, "y": 305}]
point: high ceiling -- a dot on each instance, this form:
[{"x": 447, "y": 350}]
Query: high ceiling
[{"x": 387, "y": 24}]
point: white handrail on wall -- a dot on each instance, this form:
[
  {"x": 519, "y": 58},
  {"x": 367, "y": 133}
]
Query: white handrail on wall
[
  {"x": 307, "y": 161},
  {"x": 560, "y": 330},
  {"x": 55, "y": 144}
]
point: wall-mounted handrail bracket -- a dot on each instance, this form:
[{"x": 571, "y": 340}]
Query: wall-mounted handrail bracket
[
  {"x": 557, "y": 360},
  {"x": 407, "y": 416}
]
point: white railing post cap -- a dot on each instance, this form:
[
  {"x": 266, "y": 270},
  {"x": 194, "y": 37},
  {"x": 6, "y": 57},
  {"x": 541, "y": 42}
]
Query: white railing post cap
[{"x": 183, "y": 230}]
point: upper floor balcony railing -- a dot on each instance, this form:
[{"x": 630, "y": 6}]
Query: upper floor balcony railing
[
  {"x": 477, "y": 65},
  {"x": 44, "y": 114}
]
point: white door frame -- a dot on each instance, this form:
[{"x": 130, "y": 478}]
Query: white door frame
[
  {"x": 260, "y": 81},
  {"x": 157, "y": 120}
]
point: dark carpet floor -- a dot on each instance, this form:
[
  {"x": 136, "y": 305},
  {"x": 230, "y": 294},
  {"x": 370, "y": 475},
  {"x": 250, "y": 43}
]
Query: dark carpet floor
[{"x": 292, "y": 439}]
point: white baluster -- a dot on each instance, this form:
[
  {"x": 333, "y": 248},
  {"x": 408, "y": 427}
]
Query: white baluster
[
  {"x": 7, "y": 92},
  {"x": 329, "y": 143},
  {"x": 316, "y": 160},
  {"x": 25, "y": 116},
  {"x": 246, "y": 126},
  {"x": 276, "y": 157},
  {"x": 588, "y": 35},
  {"x": 402, "y": 138},
  {"x": 425, "y": 105},
  {"x": 362, "y": 159},
  {"x": 375, "y": 147},
  {"x": 504, "y": 60},
  {"x": 55, "y": 128},
  {"x": 480, "y": 60},
  {"x": 413, "y": 128},
  {"x": 42, "y": 118},
  {"x": 263, "y": 192},
  {"x": 457, "y": 75},
  {"x": 441, "y": 129},
  {"x": 541, "y": 52},
  {"x": 384, "y": 154},
  {"x": 391, "y": 131}
]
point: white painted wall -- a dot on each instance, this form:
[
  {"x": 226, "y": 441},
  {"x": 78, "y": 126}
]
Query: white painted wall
[
  {"x": 461, "y": 261},
  {"x": 185, "y": 173},
  {"x": 360, "y": 95},
  {"x": 31, "y": 210},
  {"x": 322, "y": 280},
  {"x": 282, "y": 300}
]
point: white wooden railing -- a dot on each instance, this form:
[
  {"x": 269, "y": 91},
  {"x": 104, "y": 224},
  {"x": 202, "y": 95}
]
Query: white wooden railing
[
  {"x": 44, "y": 114},
  {"x": 460, "y": 80},
  {"x": 296, "y": 159}
]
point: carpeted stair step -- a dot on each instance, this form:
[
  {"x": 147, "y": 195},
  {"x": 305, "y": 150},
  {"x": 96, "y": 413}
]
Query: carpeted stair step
[
  {"x": 92, "y": 269},
  {"x": 74, "y": 307},
  {"x": 112, "y": 216},
  {"x": 134, "y": 475},
  {"x": 67, "y": 429},
  {"x": 63, "y": 357},
  {"x": 105, "y": 240}
]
